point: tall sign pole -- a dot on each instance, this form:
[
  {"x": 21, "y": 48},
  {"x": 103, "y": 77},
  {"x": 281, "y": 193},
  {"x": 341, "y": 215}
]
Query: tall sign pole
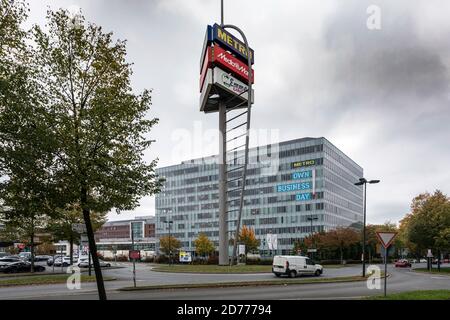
[
  {"x": 225, "y": 85},
  {"x": 223, "y": 216},
  {"x": 386, "y": 239}
]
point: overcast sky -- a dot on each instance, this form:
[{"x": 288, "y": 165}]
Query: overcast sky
[{"x": 381, "y": 96}]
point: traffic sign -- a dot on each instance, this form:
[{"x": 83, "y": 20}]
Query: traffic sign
[
  {"x": 429, "y": 254},
  {"x": 312, "y": 250},
  {"x": 386, "y": 238},
  {"x": 79, "y": 227}
]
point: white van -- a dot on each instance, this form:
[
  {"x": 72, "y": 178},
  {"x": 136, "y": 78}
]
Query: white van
[{"x": 293, "y": 266}]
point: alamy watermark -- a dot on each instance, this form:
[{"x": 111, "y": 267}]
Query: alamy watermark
[
  {"x": 374, "y": 19},
  {"x": 200, "y": 141},
  {"x": 374, "y": 279},
  {"x": 74, "y": 280}
]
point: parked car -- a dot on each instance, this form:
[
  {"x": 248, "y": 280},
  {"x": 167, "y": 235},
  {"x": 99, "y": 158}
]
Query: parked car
[
  {"x": 65, "y": 261},
  {"x": 84, "y": 263},
  {"x": 21, "y": 266},
  {"x": 293, "y": 266},
  {"x": 423, "y": 260},
  {"x": 25, "y": 256},
  {"x": 4, "y": 254},
  {"x": 9, "y": 259},
  {"x": 41, "y": 258},
  {"x": 402, "y": 263}
]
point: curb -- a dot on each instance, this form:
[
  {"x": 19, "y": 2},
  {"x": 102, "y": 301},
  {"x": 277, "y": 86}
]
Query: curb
[{"x": 244, "y": 284}]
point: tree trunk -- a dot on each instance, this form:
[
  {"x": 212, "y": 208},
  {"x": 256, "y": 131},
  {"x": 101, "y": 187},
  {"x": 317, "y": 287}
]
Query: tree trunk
[
  {"x": 342, "y": 255},
  {"x": 92, "y": 246}
]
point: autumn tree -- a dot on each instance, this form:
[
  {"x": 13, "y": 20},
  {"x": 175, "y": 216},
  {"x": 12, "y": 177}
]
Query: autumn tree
[
  {"x": 428, "y": 225},
  {"x": 169, "y": 245},
  {"x": 203, "y": 246},
  {"x": 247, "y": 237}
]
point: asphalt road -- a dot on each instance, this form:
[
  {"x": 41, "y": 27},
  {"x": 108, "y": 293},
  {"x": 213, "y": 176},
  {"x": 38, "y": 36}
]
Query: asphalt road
[{"x": 400, "y": 280}]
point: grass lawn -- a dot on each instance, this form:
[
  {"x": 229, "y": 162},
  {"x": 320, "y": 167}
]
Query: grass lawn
[
  {"x": 212, "y": 268},
  {"x": 416, "y": 295},
  {"x": 444, "y": 271},
  {"x": 190, "y": 268},
  {"x": 45, "y": 279},
  {"x": 275, "y": 282}
]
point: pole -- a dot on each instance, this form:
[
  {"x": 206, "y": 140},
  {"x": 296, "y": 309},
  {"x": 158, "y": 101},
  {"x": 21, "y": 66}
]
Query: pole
[
  {"x": 134, "y": 260},
  {"x": 170, "y": 248},
  {"x": 312, "y": 239},
  {"x": 221, "y": 12},
  {"x": 364, "y": 235},
  {"x": 62, "y": 260},
  {"x": 89, "y": 262},
  {"x": 247, "y": 136},
  {"x": 385, "y": 269},
  {"x": 223, "y": 235}
]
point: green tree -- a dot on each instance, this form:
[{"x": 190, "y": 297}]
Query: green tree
[
  {"x": 99, "y": 127},
  {"x": 428, "y": 224},
  {"x": 299, "y": 247},
  {"x": 169, "y": 245},
  {"x": 61, "y": 225},
  {"x": 203, "y": 246}
]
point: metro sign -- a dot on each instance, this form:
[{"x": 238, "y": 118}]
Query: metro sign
[
  {"x": 218, "y": 35},
  {"x": 220, "y": 57},
  {"x": 386, "y": 238}
]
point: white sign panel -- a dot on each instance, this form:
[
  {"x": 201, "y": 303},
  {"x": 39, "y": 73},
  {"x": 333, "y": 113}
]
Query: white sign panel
[
  {"x": 272, "y": 241},
  {"x": 225, "y": 81},
  {"x": 79, "y": 227},
  {"x": 242, "y": 249}
]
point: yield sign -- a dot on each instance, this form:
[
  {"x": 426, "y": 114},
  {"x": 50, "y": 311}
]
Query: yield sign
[{"x": 386, "y": 238}]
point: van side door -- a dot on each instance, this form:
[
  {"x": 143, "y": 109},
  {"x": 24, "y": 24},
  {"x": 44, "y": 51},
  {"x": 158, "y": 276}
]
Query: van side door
[{"x": 310, "y": 266}]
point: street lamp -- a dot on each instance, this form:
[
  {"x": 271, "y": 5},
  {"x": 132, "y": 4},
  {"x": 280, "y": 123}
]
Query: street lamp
[
  {"x": 311, "y": 218},
  {"x": 170, "y": 248},
  {"x": 364, "y": 181}
]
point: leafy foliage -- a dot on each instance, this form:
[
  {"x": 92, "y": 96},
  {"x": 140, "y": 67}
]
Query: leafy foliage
[
  {"x": 203, "y": 246},
  {"x": 169, "y": 244}
]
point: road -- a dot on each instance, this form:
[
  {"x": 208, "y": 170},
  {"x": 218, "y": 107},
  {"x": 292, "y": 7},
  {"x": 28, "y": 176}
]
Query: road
[{"x": 400, "y": 280}]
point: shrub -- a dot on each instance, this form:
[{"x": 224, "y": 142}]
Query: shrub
[
  {"x": 330, "y": 261},
  {"x": 213, "y": 259},
  {"x": 263, "y": 261},
  {"x": 161, "y": 259},
  {"x": 122, "y": 258},
  {"x": 148, "y": 259}
]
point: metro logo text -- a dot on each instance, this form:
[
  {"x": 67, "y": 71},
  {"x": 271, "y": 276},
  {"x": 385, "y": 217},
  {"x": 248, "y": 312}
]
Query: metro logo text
[{"x": 233, "y": 44}]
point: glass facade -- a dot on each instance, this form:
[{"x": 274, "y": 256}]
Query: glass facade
[{"x": 286, "y": 184}]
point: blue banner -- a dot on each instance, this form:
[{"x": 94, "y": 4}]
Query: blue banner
[
  {"x": 294, "y": 187},
  {"x": 302, "y": 175},
  {"x": 303, "y": 196}
]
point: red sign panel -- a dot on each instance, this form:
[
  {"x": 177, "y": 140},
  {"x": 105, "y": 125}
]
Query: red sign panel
[
  {"x": 134, "y": 254},
  {"x": 227, "y": 61},
  {"x": 218, "y": 56}
]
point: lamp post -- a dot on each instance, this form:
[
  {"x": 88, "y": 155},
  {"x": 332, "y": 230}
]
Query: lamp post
[
  {"x": 364, "y": 182},
  {"x": 170, "y": 248},
  {"x": 311, "y": 218}
]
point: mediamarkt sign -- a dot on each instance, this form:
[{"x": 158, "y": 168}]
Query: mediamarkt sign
[{"x": 218, "y": 56}]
